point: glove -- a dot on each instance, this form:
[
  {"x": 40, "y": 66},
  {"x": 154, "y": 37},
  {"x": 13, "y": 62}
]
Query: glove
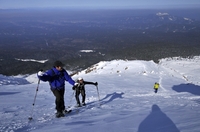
[
  {"x": 96, "y": 83},
  {"x": 40, "y": 73},
  {"x": 74, "y": 87},
  {"x": 75, "y": 84}
]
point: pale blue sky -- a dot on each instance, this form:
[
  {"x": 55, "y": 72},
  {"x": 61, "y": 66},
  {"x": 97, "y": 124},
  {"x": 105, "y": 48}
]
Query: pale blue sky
[{"x": 5, "y": 4}]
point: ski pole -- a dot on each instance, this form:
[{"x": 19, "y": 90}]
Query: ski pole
[
  {"x": 30, "y": 118},
  {"x": 98, "y": 92}
]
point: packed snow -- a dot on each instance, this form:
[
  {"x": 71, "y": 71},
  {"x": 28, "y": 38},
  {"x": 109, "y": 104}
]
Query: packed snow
[
  {"x": 162, "y": 14},
  {"x": 87, "y": 51},
  {"x": 33, "y": 60},
  {"x": 127, "y": 99}
]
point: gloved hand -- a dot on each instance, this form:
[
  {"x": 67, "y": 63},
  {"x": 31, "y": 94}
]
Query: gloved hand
[
  {"x": 74, "y": 87},
  {"x": 96, "y": 83},
  {"x": 40, "y": 73},
  {"x": 75, "y": 84}
]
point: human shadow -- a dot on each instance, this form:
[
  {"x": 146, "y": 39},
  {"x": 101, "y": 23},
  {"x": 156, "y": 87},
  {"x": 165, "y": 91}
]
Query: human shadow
[
  {"x": 111, "y": 97},
  {"x": 104, "y": 100},
  {"x": 157, "y": 121},
  {"x": 190, "y": 88}
]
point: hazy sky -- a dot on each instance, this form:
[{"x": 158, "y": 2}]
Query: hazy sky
[{"x": 5, "y": 4}]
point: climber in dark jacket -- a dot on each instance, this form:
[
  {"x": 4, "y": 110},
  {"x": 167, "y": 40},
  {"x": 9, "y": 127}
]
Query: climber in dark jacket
[{"x": 80, "y": 89}]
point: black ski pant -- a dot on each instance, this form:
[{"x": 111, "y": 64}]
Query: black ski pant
[
  {"x": 156, "y": 90},
  {"x": 60, "y": 103},
  {"x": 78, "y": 92}
]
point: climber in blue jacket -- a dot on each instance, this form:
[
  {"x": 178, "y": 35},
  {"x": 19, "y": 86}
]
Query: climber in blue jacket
[{"x": 56, "y": 78}]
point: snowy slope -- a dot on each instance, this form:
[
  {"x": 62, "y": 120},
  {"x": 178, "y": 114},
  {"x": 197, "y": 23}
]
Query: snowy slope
[{"x": 128, "y": 102}]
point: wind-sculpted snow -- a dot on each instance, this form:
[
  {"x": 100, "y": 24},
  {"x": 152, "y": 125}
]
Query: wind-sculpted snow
[{"x": 127, "y": 99}]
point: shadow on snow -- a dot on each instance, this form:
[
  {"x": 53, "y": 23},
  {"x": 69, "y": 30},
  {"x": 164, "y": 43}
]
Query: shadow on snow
[
  {"x": 190, "y": 88},
  {"x": 157, "y": 121},
  {"x": 112, "y": 96},
  {"x": 8, "y": 93},
  {"x": 10, "y": 80}
]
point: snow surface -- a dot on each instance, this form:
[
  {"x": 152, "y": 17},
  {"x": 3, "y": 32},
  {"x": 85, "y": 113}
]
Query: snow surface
[
  {"x": 127, "y": 99},
  {"x": 87, "y": 51},
  {"x": 40, "y": 61},
  {"x": 162, "y": 14}
]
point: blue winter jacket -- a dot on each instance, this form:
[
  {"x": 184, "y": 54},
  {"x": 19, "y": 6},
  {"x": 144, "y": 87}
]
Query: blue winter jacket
[{"x": 56, "y": 78}]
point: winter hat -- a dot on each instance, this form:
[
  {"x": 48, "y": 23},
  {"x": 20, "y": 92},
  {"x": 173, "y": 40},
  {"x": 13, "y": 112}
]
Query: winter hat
[
  {"x": 80, "y": 78},
  {"x": 58, "y": 63}
]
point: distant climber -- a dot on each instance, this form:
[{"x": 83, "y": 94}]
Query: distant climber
[{"x": 156, "y": 86}]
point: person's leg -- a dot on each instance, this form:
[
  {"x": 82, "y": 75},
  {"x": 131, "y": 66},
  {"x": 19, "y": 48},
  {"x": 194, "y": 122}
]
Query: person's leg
[
  {"x": 58, "y": 102},
  {"x": 62, "y": 103},
  {"x": 77, "y": 97},
  {"x": 83, "y": 96},
  {"x": 156, "y": 90}
]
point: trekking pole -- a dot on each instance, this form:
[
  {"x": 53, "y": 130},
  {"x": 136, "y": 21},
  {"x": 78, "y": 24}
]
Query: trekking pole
[
  {"x": 30, "y": 118},
  {"x": 98, "y": 94},
  {"x": 71, "y": 99}
]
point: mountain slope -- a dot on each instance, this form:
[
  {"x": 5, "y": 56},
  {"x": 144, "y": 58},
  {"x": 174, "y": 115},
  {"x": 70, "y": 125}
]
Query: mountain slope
[{"x": 128, "y": 102}]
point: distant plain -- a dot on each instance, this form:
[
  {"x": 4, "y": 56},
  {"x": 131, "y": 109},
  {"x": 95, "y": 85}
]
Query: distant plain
[{"x": 61, "y": 34}]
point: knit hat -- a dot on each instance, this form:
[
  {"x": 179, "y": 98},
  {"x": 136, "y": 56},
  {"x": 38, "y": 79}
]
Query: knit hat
[{"x": 58, "y": 63}]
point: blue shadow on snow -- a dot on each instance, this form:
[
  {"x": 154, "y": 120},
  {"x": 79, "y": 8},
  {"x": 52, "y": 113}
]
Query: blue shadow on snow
[
  {"x": 10, "y": 80},
  {"x": 190, "y": 88},
  {"x": 157, "y": 121},
  {"x": 112, "y": 96},
  {"x": 8, "y": 93}
]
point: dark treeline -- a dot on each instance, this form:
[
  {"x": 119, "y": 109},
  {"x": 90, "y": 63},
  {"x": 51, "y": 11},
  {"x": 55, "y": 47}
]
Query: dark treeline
[{"x": 111, "y": 34}]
